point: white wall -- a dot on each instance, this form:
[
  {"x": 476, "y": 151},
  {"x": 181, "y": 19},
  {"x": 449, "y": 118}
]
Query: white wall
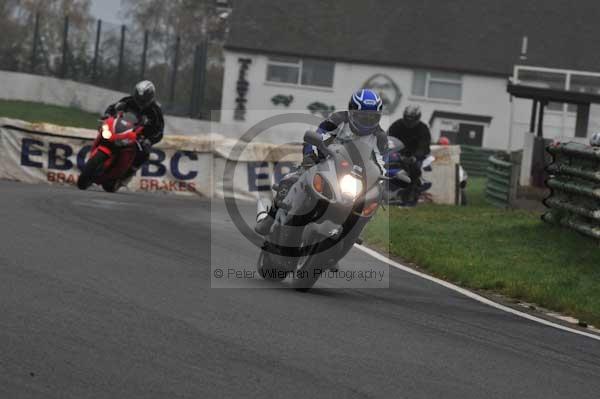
[
  {"x": 26, "y": 87},
  {"x": 557, "y": 125},
  {"x": 482, "y": 95}
]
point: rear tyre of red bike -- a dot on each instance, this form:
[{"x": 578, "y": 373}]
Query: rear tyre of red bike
[{"x": 92, "y": 168}]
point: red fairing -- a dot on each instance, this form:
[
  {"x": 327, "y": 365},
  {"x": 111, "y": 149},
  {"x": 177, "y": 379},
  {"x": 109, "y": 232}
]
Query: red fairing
[{"x": 121, "y": 148}]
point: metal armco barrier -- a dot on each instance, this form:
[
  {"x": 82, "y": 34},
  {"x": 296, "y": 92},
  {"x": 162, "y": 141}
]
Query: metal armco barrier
[
  {"x": 502, "y": 181},
  {"x": 475, "y": 159},
  {"x": 574, "y": 181}
]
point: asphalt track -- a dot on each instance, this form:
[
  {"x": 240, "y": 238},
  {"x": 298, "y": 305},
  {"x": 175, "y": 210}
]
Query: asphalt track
[{"x": 109, "y": 296}]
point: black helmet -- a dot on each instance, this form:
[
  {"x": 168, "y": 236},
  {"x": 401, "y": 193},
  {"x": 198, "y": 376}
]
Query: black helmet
[
  {"x": 144, "y": 94},
  {"x": 412, "y": 115}
]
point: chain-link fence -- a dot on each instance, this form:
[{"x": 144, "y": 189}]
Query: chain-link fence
[{"x": 112, "y": 56}]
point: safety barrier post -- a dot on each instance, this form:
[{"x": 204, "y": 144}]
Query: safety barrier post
[
  {"x": 144, "y": 56},
  {"x": 34, "y": 47},
  {"x": 96, "y": 51},
  {"x": 65, "y": 50},
  {"x": 174, "y": 72},
  {"x": 121, "y": 58}
]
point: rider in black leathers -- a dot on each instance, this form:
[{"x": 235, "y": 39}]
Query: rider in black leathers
[
  {"x": 143, "y": 103},
  {"x": 416, "y": 137}
]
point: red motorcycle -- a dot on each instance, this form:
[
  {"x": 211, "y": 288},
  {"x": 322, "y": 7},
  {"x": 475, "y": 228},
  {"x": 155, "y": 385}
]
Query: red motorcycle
[{"x": 113, "y": 152}]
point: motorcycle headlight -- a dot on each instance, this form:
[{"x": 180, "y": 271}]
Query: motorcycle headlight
[
  {"x": 106, "y": 133},
  {"x": 350, "y": 186}
]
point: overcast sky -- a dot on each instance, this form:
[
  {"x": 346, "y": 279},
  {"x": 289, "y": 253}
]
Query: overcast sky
[{"x": 107, "y": 10}]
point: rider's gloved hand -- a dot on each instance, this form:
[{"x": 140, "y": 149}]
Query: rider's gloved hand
[
  {"x": 309, "y": 160},
  {"x": 120, "y": 106},
  {"x": 146, "y": 145},
  {"x": 410, "y": 160},
  {"x": 145, "y": 121}
]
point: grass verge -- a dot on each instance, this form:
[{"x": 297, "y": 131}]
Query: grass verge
[
  {"x": 511, "y": 252},
  {"x": 38, "y": 112}
]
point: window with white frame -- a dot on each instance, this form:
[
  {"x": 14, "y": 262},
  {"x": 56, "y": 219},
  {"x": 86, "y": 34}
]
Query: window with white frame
[
  {"x": 303, "y": 72},
  {"x": 546, "y": 80},
  {"x": 437, "y": 85},
  {"x": 583, "y": 84}
]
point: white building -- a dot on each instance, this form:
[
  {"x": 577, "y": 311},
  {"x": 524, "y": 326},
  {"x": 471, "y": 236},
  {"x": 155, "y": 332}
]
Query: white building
[{"x": 451, "y": 58}]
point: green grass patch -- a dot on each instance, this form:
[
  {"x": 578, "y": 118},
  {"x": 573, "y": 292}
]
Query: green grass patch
[
  {"x": 511, "y": 252},
  {"x": 38, "y": 112}
]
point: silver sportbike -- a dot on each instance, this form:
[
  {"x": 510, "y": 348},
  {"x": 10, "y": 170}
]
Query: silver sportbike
[{"x": 319, "y": 212}]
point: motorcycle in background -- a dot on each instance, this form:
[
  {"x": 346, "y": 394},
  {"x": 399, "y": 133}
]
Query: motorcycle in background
[
  {"x": 398, "y": 189},
  {"x": 463, "y": 178},
  {"x": 113, "y": 152}
]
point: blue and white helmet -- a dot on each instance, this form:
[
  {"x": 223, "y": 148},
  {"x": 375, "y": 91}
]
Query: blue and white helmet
[{"x": 364, "y": 111}]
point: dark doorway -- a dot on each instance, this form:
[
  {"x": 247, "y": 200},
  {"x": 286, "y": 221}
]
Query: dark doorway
[{"x": 469, "y": 134}]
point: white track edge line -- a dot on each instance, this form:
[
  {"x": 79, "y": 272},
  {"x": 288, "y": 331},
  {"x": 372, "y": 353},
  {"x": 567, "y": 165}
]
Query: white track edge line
[{"x": 473, "y": 295}]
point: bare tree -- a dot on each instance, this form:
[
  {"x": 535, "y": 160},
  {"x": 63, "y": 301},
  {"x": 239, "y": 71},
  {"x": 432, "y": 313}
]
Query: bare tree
[
  {"x": 188, "y": 19},
  {"x": 52, "y": 15},
  {"x": 11, "y": 45},
  {"x": 192, "y": 21}
]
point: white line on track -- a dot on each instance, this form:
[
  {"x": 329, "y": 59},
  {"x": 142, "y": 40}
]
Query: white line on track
[{"x": 472, "y": 295}]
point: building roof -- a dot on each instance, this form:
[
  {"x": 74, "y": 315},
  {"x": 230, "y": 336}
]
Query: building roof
[
  {"x": 476, "y": 36},
  {"x": 552, "y": 95}
]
